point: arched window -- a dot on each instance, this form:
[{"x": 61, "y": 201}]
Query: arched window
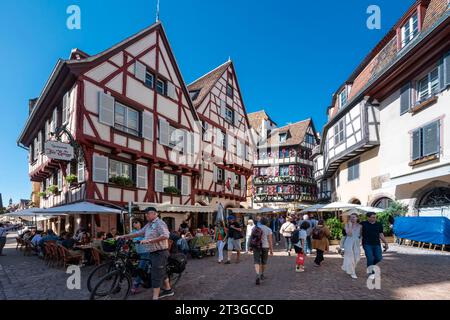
[
  {"x": 383, "y": 203},
  {"x": 436, "y": 197}
]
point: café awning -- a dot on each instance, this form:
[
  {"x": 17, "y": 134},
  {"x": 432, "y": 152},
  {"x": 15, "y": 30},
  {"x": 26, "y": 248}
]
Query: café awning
[
  {"x": 334, "y": 206},
  {"x": 166, "y": 207},
  {"x": 80, "y": 208}
]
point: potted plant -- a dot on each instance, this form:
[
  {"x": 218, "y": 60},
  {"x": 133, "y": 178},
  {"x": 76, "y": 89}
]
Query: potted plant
[
  {"x": 172, "y": 190},
  {"x": 121, "y": 181},
  {"x": 335, "y": 226},
  {"x": 52, "y": 189},
  {"x": 71, "y": 179},
  {"x": 42, "y": 194}
]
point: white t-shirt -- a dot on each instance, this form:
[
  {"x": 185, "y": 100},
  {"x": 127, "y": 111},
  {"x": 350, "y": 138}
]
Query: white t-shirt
[
  {"x": 249, "y": 230},
  {"x": 267, "y": 232}
]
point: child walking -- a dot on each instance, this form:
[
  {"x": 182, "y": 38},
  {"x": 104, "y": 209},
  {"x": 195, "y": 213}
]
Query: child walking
[{"x": 299, "y": 241}]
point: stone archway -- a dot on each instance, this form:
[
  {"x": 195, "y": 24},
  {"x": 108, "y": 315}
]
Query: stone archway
[
  {"x": 425, "y": 195},
  {"x": 436, "y": 197},
  {"x": 382, "y": 202}
]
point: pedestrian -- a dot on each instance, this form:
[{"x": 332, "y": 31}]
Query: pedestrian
[
  {"x": 352, "y": 243},
  {"x": 3, "y": 233},
  {"x": 372, "y": 232},
  {"x": 299, "y": 242},
  {"x": 320, "y": 235},
  {"x": 220, "y": 237},
  {"x": 275, "y": 226},
  {"x": 184, "y": 227},
  {"x": 234, "y": 236},
  {"x": 262, "y": 245},
  {"x": 248, "y": 233},
  {"x": 286, "y": 230},
  {"x": 156, "y": 234}
]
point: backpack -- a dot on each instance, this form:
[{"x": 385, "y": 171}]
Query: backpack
[
  {"x": 295, "y": 238},
  {"x": 256, "y": 238},
  {"x": 317, "y": 234}
]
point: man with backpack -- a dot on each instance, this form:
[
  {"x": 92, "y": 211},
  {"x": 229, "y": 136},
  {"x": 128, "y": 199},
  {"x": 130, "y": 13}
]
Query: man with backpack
[{"x": 261, "y": 243}]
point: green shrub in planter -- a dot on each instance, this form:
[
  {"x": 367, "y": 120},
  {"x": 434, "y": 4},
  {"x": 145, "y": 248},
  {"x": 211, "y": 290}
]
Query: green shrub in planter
[
  {"x": 172, "y": 190},
  {"x": 52, "y": 189},
  {"x": 121, "y": 181},
  {"x": 71, "y": 179},
  {"x": 335, "y": 225},
  {"x": 42, "y": 194}
]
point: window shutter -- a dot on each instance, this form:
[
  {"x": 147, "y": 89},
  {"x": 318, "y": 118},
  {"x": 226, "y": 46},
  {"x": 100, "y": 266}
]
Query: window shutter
[
  {"x": 186, "y": 142},
  {"x": 100, "y": 165},
  {"x": 163, "y": 132},
  {"x": 53, "y": 122},
  {"x": 185, "y": 186},
  {"x": 215, "y": 174},
  {"x": 66, "y": 108},
  {"x": 141, "y": 176},
  {"x": 80, "y": 172},
  {"x": 243, "y": 182},
  {"x": 171, "y": 90},
  {"x": 416, "y": 145},
  {"x": 237, "y": 119},
  {"x": 446, "y": 70},
  {"x": 106, "y": 109},
  {"x": 239, "y": 149},
  {"x": 192, "y": 139},
  {"x": 147, "y": 125},
  {"x": 40, "y": 144},
  {"x": 405, "y": 98},
  {"x": 159, "y": 184},
  {"x": 140, "y": 71},
  {"x": 223, "y": 105},
  {"x": 246, "y": 152},
  {"x": 229, "y": 143},
  {"x": 59, "y": 181},
  {"x": 431, "y": 143}
]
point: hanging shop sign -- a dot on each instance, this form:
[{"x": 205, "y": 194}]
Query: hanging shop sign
[{"x": 59, "y": 150}]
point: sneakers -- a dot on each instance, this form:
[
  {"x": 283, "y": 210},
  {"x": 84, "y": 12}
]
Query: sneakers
[
  {"x": 354, "y": 276},
  {"x": 372, "y": 277},
  {"x": 263, "y": 277},
  {"x": 258, "y": 281},
  {"x": 228, "y": 262},
  {"x": 166, "y": 293}
]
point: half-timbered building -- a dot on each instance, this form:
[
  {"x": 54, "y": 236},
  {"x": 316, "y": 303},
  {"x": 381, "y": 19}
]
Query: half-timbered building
[
  {"x": 226, "y": 140},
  {"x": 385, "y": 136},
  {"x": 129, "y": 115},
  {"x": 282, "y": 169}
]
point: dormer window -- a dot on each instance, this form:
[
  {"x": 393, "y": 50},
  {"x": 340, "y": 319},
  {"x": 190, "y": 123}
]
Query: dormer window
[
  {"x": 428, "y": 86},
  {"x": 283, "y": 137},
  {"x": 342, "y": 98},
  {"x": 230, "y": 90},
  {"x": 410, "y": 30},
  {"x": 194, "y": 94}
]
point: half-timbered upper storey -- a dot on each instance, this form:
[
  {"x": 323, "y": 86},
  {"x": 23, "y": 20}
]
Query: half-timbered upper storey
[
  {"x": 130, "y": 114},
  {"x": 227, "y": 146},
  {"x": 354, "y": 115}
]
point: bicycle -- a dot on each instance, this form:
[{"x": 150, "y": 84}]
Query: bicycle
[{"x": 116, "y": 285}]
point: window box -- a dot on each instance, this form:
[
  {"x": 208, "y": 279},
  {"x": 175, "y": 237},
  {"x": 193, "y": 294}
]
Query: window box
[
  {"x": 121, "y": 181},
  {"x": 53, "y": 190},
  {"x": 172, "y": 191},
  {"x": 42, "y": 194},
  {"x": 423, "y": 105},
  {"x": 423, "y": 160},
  {"x": 72, "y": 179}
]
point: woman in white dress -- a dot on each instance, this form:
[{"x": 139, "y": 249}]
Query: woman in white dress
[{"x": 352, "y": 245}]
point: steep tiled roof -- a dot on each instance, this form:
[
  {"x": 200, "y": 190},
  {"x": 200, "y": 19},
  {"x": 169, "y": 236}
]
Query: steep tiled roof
[
  {"x": 296, "y": 133},
  {"x": 205, "y": 83},
  {"x": 255, "y": 119}
]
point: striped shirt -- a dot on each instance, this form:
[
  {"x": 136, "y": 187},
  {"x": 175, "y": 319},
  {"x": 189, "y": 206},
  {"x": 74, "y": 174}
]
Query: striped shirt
[{"x": 152, "y": 230}]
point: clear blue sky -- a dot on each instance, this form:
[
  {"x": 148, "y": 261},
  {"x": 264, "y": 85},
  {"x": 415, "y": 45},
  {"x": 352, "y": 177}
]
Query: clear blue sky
[{"x": 290, "y": 55}]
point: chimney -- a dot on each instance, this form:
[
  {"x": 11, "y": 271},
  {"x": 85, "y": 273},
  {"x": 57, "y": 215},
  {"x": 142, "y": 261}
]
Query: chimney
[{"x": 31, "y": 104}]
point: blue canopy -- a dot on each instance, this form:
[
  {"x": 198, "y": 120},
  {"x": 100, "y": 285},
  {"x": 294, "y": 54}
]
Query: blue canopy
[{"x": 435, "y": 230}]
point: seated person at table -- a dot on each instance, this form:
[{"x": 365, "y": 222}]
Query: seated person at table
[
  {"x": 114, "y": 232},
  {"x": 36, "y": 238},
  {"x": 50, "y": 236},
  {"x": 27, "y": 235},
  {"x": 85, "y": 238},
  {"x": 79, "y": 234},
  {"x": 68, "y": 241}
]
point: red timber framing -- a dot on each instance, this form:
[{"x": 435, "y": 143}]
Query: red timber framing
[
  {"x": 151, "y": 48},
  {"x": 212, "y": 89}
]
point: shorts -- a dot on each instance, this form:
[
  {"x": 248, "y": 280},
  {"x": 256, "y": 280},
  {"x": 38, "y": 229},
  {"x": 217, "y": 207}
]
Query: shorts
[
  {"x": 234, "y": 244},
  {"x": 159, "y": 264},
  {"x": 260, "y": 256}
]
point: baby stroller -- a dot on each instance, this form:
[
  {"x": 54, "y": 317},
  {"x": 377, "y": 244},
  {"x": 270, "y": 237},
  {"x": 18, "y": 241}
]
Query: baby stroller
[{"x": 202, "y": 246}]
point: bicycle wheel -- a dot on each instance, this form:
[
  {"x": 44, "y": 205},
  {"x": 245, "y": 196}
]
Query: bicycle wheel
[
  {"x": 113, "y": 286},
  {"x": 99, "y": 272}
]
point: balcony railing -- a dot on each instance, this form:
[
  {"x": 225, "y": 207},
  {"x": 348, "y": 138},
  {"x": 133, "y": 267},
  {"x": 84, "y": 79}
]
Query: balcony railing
[
  {"x": 283, "y": 197},
  {"x": 282, "y": 179},
  {"x": 278, "y": 161}
]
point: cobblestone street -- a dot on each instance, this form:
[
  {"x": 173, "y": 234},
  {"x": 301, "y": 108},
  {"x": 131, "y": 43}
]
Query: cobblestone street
[{"x": 406, "y": 273}]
